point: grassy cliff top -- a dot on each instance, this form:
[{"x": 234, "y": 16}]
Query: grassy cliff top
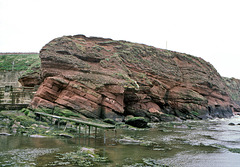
[{"x": 19, "y": 61}]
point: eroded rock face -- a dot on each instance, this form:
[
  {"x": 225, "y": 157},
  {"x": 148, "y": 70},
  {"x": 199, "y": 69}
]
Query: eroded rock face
[
  {"x": 30, "y": 80},
  {"x": 233, "y": 87},
  {"x": 104, "y": 78}
]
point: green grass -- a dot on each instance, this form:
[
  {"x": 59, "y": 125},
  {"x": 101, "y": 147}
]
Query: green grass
[{"x": 19, "y": 62}]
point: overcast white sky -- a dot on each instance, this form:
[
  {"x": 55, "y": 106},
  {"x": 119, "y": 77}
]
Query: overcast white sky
[{"x": 205, "y": 28}]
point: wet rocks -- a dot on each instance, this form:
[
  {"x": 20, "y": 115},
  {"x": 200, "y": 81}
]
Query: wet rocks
[
  {"x": 232, "y": 124},
  {"x": 5, "y": 134},
  {"x": 66, "y": 135},
  {"x": 127, "y": 140},
  {"x": 38, "y": 136},
  {"x": 82, "y": 157},
  {"x": 139, "y": 122},
  {"x": 20, "y": 124},
  {"x": 110, "y": 121}
]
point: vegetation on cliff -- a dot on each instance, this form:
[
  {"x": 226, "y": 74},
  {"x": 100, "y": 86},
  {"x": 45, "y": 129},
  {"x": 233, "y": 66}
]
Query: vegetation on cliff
[
  {"x": 233, "y": 88},
  {"x": 27, "y": 65},
  {"x": 19, "y": 62}
]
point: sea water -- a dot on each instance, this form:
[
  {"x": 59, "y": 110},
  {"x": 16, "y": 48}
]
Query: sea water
[{"x": 212, "y": 143}]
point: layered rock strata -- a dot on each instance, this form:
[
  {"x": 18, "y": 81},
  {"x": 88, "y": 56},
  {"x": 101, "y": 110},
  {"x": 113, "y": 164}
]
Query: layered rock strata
[{"x": 103, "y": 78}]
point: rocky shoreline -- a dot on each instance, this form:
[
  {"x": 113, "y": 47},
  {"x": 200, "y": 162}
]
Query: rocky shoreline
[{"x": 25, "y": 122}]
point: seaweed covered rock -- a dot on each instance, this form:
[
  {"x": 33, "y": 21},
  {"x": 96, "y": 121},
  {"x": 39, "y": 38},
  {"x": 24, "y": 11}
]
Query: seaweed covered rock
[
  {"x": 139, "y": 122},
  {"x": 103, "y": 78}
]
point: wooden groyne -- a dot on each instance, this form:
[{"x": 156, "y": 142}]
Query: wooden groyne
[{"x": 79, "y": 123}]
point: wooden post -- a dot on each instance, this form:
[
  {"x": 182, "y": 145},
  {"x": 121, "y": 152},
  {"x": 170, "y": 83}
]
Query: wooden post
[
  {"x": 85, "y": 130},
  {"x": 115, "y": 133},
  {"x": 58, "y": 123},
  {"x": 95, "y": 132},
  {"x": 65, "y": 127},
  {"x": 79, "y": 126},
  {"x": 89, "y": 130},
  {"x": 104, "y": 137}
]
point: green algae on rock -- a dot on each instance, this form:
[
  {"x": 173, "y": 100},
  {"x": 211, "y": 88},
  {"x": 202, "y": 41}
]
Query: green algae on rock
[
  {"x": 82, "y": 157},
  {"x": 24, "y": 122}
]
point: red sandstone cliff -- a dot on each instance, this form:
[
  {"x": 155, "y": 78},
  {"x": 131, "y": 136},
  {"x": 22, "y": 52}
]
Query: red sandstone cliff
[{"x": 105, "y": 78}]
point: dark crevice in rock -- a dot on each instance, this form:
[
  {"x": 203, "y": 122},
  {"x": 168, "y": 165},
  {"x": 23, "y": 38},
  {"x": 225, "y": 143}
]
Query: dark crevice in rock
[
  {"x": 63, "y": 52},
  {"x": 89, "y": 59}
]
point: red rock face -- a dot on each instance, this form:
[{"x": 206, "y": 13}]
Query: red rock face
[
  {"x": 30, "y": 81},
  {"x": 104, "y": 78}
]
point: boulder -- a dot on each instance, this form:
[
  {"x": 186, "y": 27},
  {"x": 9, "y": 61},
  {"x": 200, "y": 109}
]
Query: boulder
[
  {"x": 37, "y": 136},
  {"x": 109, "y": 121},
  {"x": 66, "y": 135},
  {"x": 139, "y": 122},
  {"x": 5, "y": 134}
]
